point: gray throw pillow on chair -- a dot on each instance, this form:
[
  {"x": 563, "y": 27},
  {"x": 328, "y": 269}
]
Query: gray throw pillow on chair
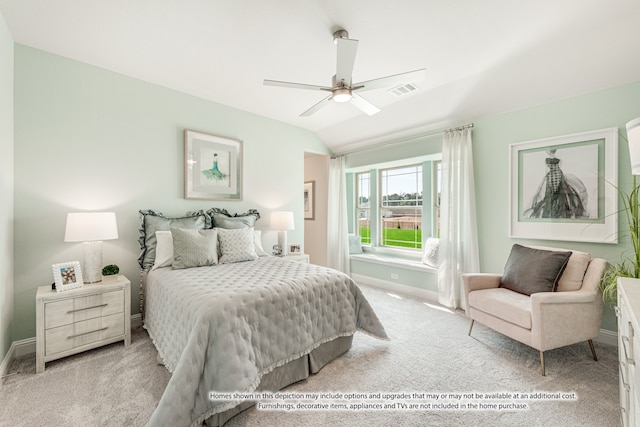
[{"x": 531, "y": 270}]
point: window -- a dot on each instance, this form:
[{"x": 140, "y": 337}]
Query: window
[
  {"x": 395, "y": 204},
  {"x": 363, "y": 209},
  {"x": 401, "y": 206}
]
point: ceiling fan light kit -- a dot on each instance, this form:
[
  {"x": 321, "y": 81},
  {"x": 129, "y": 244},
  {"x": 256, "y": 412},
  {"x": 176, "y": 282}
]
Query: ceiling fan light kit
[
  {"x": 342, "y": 94},
  {"x": 342, "y": 90}
]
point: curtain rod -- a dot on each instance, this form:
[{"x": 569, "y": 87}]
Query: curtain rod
[{"x": 400, "y": 141}]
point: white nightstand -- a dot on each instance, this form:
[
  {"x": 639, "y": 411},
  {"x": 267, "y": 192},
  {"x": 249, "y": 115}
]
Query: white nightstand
[
  {"x": 80, "y": 319},
  {"x": 297, "y": 257}
]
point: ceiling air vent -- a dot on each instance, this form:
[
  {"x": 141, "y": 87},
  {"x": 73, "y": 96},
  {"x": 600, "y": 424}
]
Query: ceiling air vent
[{"x": 404, "y": 89}]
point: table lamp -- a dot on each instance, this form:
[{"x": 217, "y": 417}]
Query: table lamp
[
  {"x": 91, "y": 228},
  {"x": 282, "y": 221}
]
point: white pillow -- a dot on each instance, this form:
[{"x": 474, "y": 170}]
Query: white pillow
[
  {"x": 257, "y": 241},
  {"x": 164, "y": 250},
  {"x": 236, "y": 245},
  {"x": 355, "y": 244},
  {"x": 430, "y": 256}
]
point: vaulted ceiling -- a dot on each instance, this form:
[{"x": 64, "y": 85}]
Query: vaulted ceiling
[{"x": 481, "y": 57}]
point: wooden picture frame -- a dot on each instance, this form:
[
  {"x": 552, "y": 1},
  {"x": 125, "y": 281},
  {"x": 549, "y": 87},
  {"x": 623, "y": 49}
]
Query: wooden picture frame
[
  {"x": 67, "y": 275},
  {"x": 212, "y": 167},
  {"x": 309, "y": 200},
  {"x": 564, "y": 188}
]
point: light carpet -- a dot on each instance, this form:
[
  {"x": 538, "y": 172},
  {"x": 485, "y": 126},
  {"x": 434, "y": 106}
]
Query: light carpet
[{"x": 429, "y": 352}]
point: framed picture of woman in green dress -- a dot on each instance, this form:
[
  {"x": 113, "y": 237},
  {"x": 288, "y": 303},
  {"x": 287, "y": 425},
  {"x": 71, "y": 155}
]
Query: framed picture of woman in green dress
[{"x": 212, "y": 167}]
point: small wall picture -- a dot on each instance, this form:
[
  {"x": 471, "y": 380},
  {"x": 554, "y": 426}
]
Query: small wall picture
[
  {"x": 67, "y": 275},
  {"x": 295, "y": 249},
  {"x": 309, "y": 200}
]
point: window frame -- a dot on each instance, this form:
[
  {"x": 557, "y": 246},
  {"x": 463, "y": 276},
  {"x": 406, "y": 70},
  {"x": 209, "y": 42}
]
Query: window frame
[
  {"x": 357, "y": 207},
  {"x": 380, "y": 220}
]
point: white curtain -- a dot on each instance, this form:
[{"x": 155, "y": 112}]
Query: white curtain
[
  {"x": 458, "y": 251},
  {"x": 337, "y": 231}
]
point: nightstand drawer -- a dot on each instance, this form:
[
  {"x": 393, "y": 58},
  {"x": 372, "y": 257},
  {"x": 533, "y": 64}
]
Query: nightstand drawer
[
  {"x": 78, "y": 309},
  {"x": 67, "y": 337}
]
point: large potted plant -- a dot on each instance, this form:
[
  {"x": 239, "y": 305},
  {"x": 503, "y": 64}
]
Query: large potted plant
[{"x": 629, "y": 265}]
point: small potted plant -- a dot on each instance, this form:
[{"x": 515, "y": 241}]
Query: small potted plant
[{"x": 109, "y": 272}]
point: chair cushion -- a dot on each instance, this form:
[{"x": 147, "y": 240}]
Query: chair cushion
[
  {"x": 510, "y": 306},
  {"x": 530, "y": 270},
  {"x": 573, "y": 275}
]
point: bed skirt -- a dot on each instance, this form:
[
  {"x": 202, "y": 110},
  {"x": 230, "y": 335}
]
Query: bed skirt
[{"x": 292, "y": 372}]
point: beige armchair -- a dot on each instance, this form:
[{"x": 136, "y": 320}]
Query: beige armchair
[{"x": 543, "y": 320}]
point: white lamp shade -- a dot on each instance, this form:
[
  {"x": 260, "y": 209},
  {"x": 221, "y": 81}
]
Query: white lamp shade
[
  {"x": 282, "y": 220},
  {"x": 633, "y": 136},
  {"x": 91, "y": 226}
]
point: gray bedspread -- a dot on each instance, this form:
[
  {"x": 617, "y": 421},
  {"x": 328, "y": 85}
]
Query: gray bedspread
[{"x": 221, "y": 328}]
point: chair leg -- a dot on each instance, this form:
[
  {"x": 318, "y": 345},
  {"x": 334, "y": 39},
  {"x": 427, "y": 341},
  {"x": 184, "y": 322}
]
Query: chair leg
[
  {"x": 593, "y": 350},
  {"x": 471, "y": 327},
  {"x": 542, "y": 362}
]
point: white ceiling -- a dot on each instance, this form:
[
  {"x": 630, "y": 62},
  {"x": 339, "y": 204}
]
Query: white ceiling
[{"x": 482, "y": 56}]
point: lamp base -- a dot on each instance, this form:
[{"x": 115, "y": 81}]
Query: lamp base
[
  {"x": 92, "y": 262},
  {"x": 282, "y": 242}
]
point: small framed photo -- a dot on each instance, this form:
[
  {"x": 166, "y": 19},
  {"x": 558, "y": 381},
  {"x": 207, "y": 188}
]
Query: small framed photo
[
  {"x": 67, "y": 275},
  {"x": 295, "y": 249}
]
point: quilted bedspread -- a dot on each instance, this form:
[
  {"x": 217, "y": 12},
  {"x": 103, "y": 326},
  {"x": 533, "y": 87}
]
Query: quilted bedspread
[{"x": 221, "y": 328}]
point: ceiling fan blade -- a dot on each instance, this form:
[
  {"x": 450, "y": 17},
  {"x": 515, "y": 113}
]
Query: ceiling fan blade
[
  {"x": 347, "y": 49},
  {"x": 317, "y": 107},
  {"x": 391, "y": 81},
  {"x": 295, "y": 85},
  {"x": 364, "y": 105}
]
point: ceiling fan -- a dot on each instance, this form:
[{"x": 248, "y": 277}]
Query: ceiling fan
[{"x": 342, "y": 89}]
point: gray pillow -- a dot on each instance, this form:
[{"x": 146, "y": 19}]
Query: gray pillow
[
  {"x": 152, "y": 221},
  {"x": 531, "y": 270},
  {"x": 223, "y": 219},
  {"x": 194, "y": 248}
]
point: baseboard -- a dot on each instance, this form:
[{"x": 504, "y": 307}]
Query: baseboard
[
  {"x": 410, "y": 291},
  {"x": 136, "y": 320},
  {"x": 28, "y": 346},
  {"x": 608, "y": 337}
]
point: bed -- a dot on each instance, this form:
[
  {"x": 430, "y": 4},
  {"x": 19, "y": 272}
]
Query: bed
[{"x": 241, "y": 326}]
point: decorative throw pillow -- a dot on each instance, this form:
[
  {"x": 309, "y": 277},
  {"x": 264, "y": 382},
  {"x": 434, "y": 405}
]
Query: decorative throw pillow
[
  {"x": 355, "y": 244},
  {"x": 164, "y": 250},
  {"x": 236, "y": 245},
  {"x": 194, "y": 248},
  {"x": 531, "y": 270},
  {"x": 430, "y": 256},
  {"x": 223, "y": 219},
  {"x": 152, "y": 221}
]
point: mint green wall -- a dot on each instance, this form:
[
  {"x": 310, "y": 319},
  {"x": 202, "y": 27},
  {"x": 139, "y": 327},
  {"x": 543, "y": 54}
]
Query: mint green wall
[
  {"x": 6, "y": 188},
  {"x": 90, "y": 139},
  {"x": 491, "y": 139}
]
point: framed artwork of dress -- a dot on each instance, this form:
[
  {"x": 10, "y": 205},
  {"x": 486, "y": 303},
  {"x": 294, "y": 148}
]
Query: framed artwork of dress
[
  {"x": 212, "y": 167},
  {"x": 564, "y": 188}
]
